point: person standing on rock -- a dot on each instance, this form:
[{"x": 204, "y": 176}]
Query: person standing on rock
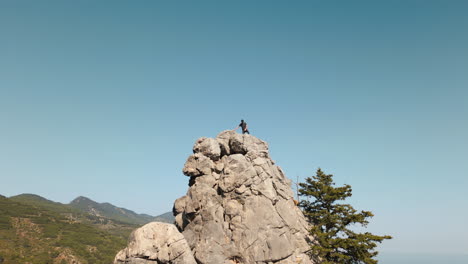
[{"x": 243, "y": 125}]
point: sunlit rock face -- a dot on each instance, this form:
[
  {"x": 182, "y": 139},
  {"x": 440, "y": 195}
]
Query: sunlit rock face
[
  {"x": 239, "y": 208},
  {"x": 156, "y": 243}
]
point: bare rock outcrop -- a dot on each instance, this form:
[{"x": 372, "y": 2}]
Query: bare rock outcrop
[
  {"x": 239, "y": 208},
  {"x": 156, "y": 243}
]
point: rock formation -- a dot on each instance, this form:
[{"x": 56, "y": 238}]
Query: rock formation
[
  {"x": 239, "y": 208},
  {"x": 156, "y": 243}
]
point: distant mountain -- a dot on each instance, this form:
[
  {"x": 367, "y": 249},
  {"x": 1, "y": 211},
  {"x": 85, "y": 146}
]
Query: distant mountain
[
  {"x": 93, "y": 212},
  {"x": 165, "y": 218},
  {"x": 31, "y": 233},
  {"x": 36, "y": 200},
  {"x": 113, "y": 226},
  {"x": 34, "y": 229},
  {"x": 110, "y": 211}
]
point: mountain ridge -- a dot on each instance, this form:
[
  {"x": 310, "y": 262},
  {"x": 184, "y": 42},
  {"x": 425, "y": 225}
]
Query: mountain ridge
[
  {"x": 110, "y": 211},
  {"x": 30, "y": 233},
  {"x": 84, "y": 204},
  {"x": 34, "y": 229}
]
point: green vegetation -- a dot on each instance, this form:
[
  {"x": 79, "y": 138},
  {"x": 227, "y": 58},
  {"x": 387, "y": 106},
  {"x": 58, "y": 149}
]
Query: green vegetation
[
  {"x": 37, "y": 200},
  {"x": 109, "y": 211},
  {"x": 165, "y": 218},
  {"x": 40, "y": 231},
  {"x": 36, "y": 230},
  {"x": 336, "y": 243}
]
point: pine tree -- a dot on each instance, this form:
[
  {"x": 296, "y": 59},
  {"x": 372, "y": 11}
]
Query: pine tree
[{"x": 335, "y": 243}]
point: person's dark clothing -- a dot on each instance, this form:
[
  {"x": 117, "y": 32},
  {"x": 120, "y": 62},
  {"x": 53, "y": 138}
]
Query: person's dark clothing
[{"x": 243, "y": 125}]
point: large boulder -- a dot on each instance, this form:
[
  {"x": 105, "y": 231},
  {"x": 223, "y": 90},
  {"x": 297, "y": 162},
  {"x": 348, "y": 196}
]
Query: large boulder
[
  {"x": 209, "y": 147},
  {"x": 156, "y": 243}
]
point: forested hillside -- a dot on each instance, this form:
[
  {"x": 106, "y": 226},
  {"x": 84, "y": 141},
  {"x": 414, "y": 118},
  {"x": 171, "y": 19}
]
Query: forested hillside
[{"x": 32, "y": 234}]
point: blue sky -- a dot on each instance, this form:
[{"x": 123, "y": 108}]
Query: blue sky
[{"x": 106, "y": 100}]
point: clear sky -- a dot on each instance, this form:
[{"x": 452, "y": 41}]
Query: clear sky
[{"x": 106, "y": 98}]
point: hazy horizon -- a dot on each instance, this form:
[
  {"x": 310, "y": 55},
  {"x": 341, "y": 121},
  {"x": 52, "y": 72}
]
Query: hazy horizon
[{"x": 420, "y": 258}]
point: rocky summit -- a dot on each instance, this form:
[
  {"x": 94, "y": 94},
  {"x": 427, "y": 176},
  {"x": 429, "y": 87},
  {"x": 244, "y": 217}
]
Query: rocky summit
[{"x": 239, "y": 208}]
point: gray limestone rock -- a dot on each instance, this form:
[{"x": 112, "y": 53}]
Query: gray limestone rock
[
  {"x": 209, "y": 147},
  {"x": 247, "y": 145},
  {"x": 156, "y": 243},
  {"x": 197, "y": 165},
  {"x": 239, "y": 208}
]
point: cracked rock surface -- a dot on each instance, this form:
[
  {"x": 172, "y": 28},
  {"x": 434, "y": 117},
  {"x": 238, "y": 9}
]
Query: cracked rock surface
[
  {"x": 156, "y": 243},
  {"x": 239, "y": 208}
]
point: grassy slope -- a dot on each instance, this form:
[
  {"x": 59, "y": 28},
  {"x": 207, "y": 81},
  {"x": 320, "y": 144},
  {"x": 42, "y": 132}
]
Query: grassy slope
[
  {"x": 83, "y": 207},
  {"x": 110, "y": 211},
  {"x": 41, "y": 234},
  {"x": 37, "y": 200}
]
